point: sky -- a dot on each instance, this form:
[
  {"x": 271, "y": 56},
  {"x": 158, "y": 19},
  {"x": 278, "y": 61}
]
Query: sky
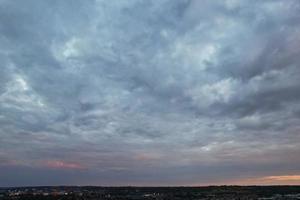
[{"x": 149, "y": 93}]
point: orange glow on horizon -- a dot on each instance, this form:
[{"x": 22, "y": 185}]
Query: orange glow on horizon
[
  {"x": 283, "y": 178},
  {"x": 264, "y": 180},
  {"x": 269, "y": 180}
]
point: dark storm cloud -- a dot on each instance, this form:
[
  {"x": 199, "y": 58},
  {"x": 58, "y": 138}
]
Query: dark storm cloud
[{"x": 147, "y": 92}]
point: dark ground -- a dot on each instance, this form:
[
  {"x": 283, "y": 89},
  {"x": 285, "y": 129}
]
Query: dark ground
[{"x": 159, "y": 193}]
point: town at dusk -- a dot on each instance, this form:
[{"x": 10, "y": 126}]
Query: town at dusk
[{"x": 149, "y": 93}]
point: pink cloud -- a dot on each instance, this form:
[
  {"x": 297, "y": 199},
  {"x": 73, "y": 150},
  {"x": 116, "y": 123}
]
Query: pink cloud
[{"x": 55, "y": 164}]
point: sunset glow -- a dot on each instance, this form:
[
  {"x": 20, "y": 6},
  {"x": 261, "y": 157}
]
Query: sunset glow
[{"x": 62, "y": 165}]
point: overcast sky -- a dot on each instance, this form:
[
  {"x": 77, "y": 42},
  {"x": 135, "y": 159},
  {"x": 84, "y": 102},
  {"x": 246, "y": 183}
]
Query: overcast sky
[{"x": 149, "y": 92}]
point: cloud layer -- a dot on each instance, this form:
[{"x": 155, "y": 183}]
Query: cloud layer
[{"x": 135, "y": 92}]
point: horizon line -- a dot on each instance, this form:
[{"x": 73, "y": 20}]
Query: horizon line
[{"x": 158, "y": 186}]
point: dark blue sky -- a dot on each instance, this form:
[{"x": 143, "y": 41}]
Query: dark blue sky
[{"x": 148, "y": 92}]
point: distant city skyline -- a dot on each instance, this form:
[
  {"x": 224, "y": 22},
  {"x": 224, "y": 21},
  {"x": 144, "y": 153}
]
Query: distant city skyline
[{"x": 149, "y": 92}]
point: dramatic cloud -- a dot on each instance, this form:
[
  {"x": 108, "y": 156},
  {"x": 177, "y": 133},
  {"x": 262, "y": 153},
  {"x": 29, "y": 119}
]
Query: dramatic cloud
[{"x": 145, "y": 92}]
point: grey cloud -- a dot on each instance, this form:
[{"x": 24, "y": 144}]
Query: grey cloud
[{"x": 142, "y": 88}]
